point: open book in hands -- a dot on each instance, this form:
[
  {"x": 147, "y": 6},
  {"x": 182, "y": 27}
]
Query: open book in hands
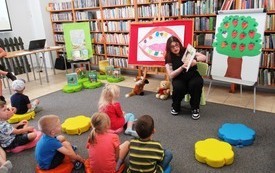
[{"x": 188, "y": 56}]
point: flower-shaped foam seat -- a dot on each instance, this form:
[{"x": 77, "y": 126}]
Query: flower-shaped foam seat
[
  {"x": 76, "y": 125},
  {"x": 92, "y": 85},
  {"x": 66, "y": 167},
  {"x": 19, "y": 117},
  {"x": 28, "y": 145},
  {"x": 112, "y": 79},
  {"x": 88, "y": 168},
  {"x": 236, "y": 134},
  {"x": 82, "y": 80},
  {"x": 214, "y": 153},
  {"x": 72, "y": 89}
]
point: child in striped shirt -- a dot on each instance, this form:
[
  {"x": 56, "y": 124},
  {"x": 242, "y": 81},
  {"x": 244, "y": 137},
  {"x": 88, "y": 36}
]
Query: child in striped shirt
[{"x": 146, "y": 154}]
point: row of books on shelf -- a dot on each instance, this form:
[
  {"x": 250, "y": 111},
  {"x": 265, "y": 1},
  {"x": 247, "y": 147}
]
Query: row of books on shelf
[
  {"x": 62, "y": 17},
  {"x": 205, "y": 23},
  {"x": 270, "y": 22},
  {"x": 146, "y": 1},
  {"x": 117, "y": 38},
  {"x": 86, "y": 3},
  {"x": 95, "y": 26},
  {"x": 85, "y": 15},
  {"x": 118, "y": 62},
  {"x": 253, "y": 4},
  {"x": 269, "y": 41},
  {"x": 117, "y": 50},
  {"x": 266, "y": 77},
  {"x": 268, "y": 60},
  {"x": 99, "y": 49},
  {"x": 57, "y": 27},
  {"x": 152, "y": 10},
  {"x": 203, "y": 39},
  {"x": 60, "y": 6},
  {"x": 59, "y": 37},
  {"x": 116, "y": 2},
  {"x": 117, "y": 26},
  {"x": 119, "y": 13},
  {"x": 200, "y": 7},
  {"x": 98, "y": 37}
]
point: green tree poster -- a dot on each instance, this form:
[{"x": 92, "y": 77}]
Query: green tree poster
[
  {"x": 78, "y": 41},
  {"x": 237, "y": 47}
]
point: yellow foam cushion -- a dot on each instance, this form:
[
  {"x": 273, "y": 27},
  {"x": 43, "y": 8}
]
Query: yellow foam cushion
[
  {"x": 19, "y": 117},
  {"x": 76, "y": 125},
  {"x": 214, "y": 153}
]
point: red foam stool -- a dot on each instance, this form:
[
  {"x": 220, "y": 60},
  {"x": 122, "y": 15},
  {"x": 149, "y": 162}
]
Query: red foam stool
[
  {"x": 28, "y": 145},
  {"x": 66, "y": 167},
  {"x": 88, "y": 168}
]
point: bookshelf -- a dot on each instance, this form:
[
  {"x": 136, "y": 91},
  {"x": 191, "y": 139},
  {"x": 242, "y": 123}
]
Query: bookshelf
[{"x": 110, "y": 24}]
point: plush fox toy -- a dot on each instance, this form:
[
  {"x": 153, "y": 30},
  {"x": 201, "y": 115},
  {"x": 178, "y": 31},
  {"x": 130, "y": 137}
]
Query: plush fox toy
[{"x": 139, "y": 85}]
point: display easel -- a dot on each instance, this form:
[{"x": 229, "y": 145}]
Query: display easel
[
  {"x": 142, "y": 70},
  {"x": 243, "y": 68}
]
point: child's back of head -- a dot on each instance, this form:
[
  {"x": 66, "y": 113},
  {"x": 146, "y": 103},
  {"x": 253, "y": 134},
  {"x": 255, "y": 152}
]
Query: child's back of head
[
  {"x": 48, "y": 123},
  {"x": 100, "y": 123},
  {"x": 18, "y": 85},
  {"x": 145, "y": 126},
  {"x": 108, "y": 94}
]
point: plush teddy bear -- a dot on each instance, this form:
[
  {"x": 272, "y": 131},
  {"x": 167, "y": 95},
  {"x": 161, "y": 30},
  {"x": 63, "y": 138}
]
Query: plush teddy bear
[
  {"x": 139, "y": 85},
  {"x": 163, "y": 91}
]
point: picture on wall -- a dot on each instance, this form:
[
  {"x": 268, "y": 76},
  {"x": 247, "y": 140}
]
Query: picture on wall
[
  {"x": 148, "y": 40},
  {"x": 78, "y": 41},
  {"x": 238, "y": 46}
]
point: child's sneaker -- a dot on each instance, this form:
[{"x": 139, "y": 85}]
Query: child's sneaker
[
  {"x": 11, "y": 76},
  {"x": 195, "y": 114},
  {"x": 78, "y": 165},
  {"x": 74, "y": 147},
  {"x": 131, "y": 132},
  {"x": 4, "y": 169}
]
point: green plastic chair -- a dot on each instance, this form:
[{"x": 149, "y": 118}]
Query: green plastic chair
[{"x": 202, "y": 69}]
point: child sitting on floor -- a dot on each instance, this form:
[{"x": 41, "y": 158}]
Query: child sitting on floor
[
  {"x": 13, "y": 136},
  {"x": 106, "y": 154},
  {"x": 146, "y": 154},
  {"x": 109, "y": 104},
  {"x": 52, "y": 147},
  {"x": 20, "y": 101}
]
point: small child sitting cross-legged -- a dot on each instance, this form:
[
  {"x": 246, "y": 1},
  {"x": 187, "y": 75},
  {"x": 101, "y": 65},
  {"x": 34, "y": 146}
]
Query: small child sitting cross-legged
[
  {"x": 13, "y": 136},
  {"x": 106, "y": 154},
  {"x": 146, "y": 154},
  {"x": 21, "y": 101},
  {"x": 52, "y": 147},
  {"x": 109, "y": 104}
]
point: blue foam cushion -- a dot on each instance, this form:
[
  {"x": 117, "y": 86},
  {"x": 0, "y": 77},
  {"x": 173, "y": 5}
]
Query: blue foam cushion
[{"x": 236, "y": 134}]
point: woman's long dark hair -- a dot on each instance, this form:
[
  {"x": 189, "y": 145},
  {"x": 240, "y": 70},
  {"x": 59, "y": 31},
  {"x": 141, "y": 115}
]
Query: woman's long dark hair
[{"x": 168, "y": 48}]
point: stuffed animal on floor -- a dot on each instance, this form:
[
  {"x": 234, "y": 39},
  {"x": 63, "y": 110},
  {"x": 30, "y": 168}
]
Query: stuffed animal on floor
[
  {"x": 139, "y": 86},
  {"x": 163, "y": 91}
]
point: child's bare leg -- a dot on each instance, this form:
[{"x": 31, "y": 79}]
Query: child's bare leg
[
  {"x": 2, "y": 156},
  {"x": 123, "y": 151}
]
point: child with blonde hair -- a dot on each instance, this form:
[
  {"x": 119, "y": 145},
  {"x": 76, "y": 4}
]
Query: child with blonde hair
[
  {"x": 106, "y": 154},
  {"x": 52, "y": 147},
  {"x": 109, "y": 104}
]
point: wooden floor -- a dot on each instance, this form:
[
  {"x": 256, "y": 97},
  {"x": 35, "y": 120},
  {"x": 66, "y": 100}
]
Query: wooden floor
[{"x": 265, "y": 101}]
